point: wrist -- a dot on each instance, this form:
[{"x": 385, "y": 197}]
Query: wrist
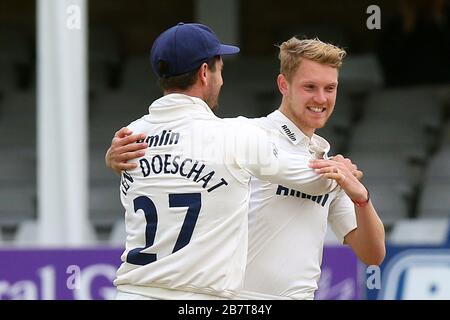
[{"x": 362, "y": 203}]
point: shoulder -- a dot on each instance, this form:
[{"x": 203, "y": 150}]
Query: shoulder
[
  {"x": 137, "y": 124},
  {"x": 242, "y": 124},
  {"x": 247, "y": 121},
  {"x": 262, "y": 122}
]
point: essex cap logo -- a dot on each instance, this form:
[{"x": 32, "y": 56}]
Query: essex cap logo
[{"x": 184, "y": 47}]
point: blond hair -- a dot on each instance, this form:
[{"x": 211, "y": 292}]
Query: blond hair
[{"x": 294, "y": 50}]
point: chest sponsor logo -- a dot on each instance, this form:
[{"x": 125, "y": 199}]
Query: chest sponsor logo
[
  {"x": 166, "y": 137},
  {"x": 321, "y": 200}
]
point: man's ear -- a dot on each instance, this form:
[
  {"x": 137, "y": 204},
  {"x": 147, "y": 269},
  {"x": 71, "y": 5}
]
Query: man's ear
[
  {"x": 202, "y": 73},
  {"x": 283, "y": 84}
]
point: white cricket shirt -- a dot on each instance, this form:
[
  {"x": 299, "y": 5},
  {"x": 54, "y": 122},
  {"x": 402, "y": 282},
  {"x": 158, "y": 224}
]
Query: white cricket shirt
[
  {"x": 287, "y": 226},
  {"x": 186, "y": 204}
]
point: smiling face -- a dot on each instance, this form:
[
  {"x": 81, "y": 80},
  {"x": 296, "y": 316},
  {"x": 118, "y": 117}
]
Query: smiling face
[{"x": 309, "y": 96}]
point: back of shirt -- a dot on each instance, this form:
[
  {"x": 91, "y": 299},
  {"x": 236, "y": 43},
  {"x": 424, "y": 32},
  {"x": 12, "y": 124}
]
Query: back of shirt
[{"x": 186, "y": 210}]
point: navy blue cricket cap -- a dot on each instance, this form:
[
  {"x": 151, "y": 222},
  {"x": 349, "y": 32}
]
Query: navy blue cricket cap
[{"x": 185, "y": 47}]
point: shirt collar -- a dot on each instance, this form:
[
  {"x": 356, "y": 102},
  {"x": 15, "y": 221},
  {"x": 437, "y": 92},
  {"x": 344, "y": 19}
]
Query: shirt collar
[
  {"x": 288, "y": 128},
  {"x": 178, "y": 99},
  {"x": 175, "y": 105},
  {"x": 316, "y": 144}
]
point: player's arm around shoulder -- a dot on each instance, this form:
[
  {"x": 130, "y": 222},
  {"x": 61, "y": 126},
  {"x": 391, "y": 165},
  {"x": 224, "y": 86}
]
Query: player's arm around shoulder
[
  {"x": 260, "y": 154},
  {"x": 124, "y": 147}
]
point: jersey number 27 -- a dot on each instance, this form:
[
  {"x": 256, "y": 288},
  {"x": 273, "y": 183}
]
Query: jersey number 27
[{"x": 192, "y": 201}]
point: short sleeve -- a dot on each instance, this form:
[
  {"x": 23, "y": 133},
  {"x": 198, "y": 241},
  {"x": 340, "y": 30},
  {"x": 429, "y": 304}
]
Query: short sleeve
[{"x": 342, "y": 216}]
